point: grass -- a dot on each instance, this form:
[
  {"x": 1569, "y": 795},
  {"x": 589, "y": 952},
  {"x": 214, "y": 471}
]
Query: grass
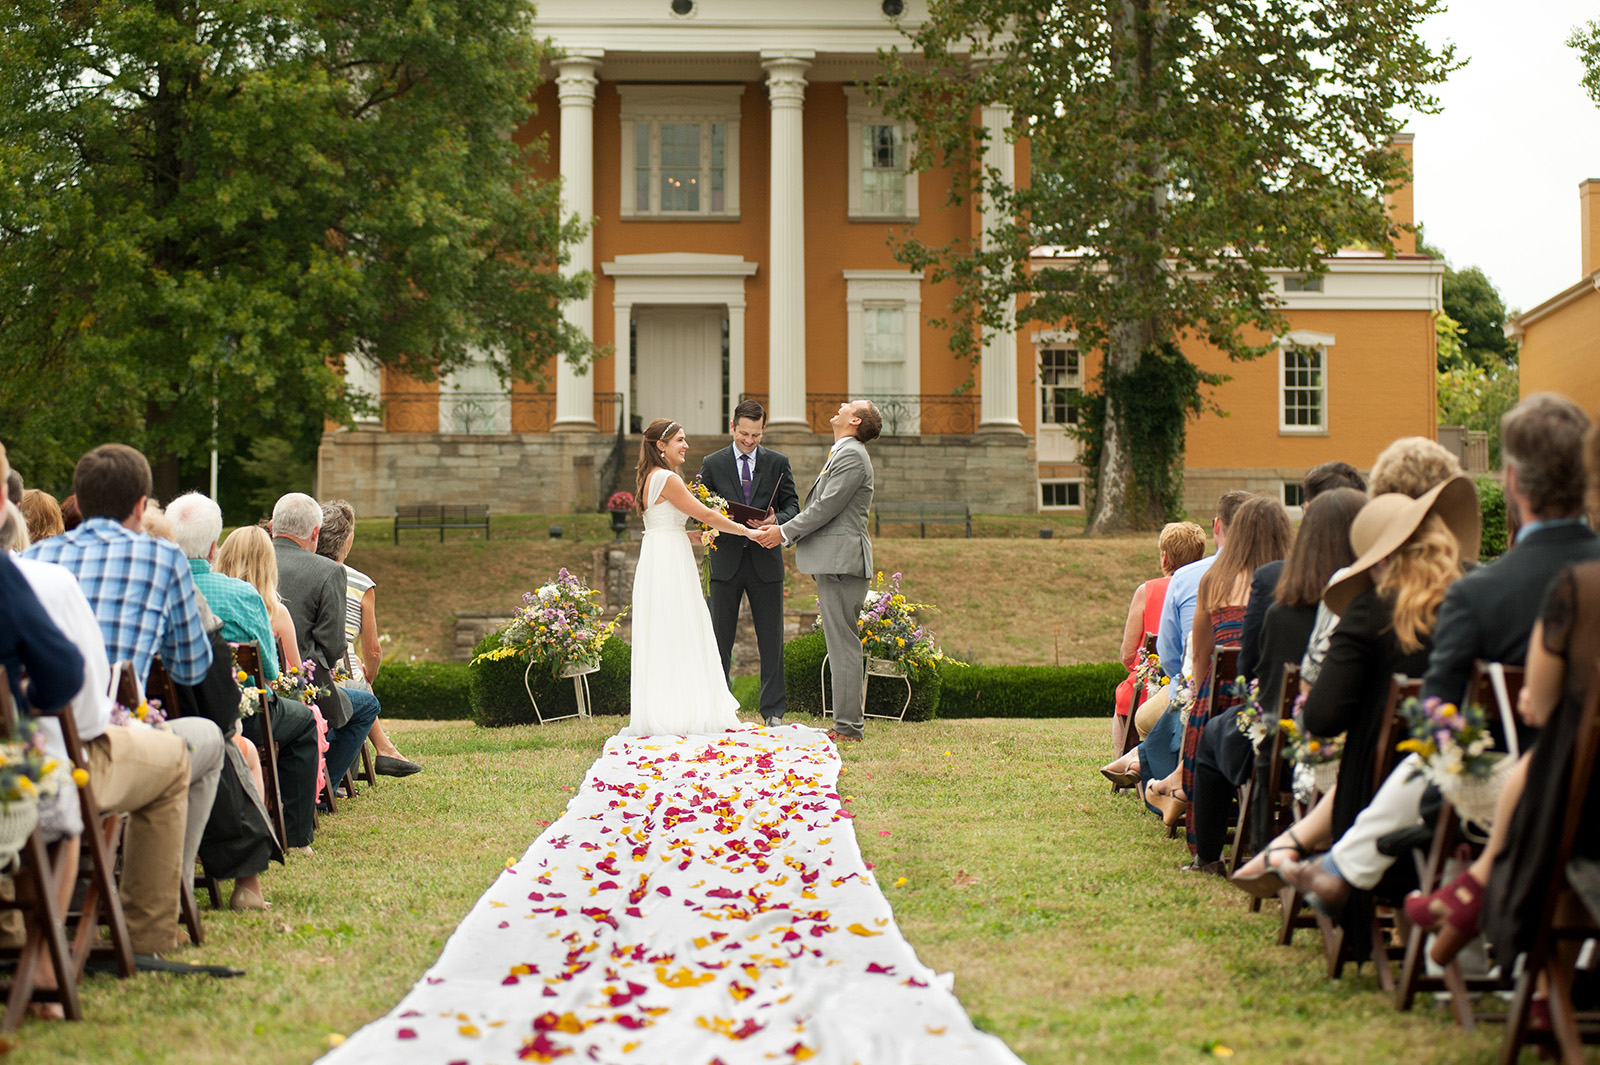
[
  {"x": 1005, "y": 597},
  {"x": 1055, "y": 904}
]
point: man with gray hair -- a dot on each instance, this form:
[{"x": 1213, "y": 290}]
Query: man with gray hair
[
  {"x": 197, "y": 522},
  {"x": 313, "y": 588}
]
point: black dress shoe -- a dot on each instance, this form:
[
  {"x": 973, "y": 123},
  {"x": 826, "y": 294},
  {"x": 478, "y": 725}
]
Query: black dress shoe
[
  {"x": 775, "y": 721},
  {"x": 386, "y": 766}
]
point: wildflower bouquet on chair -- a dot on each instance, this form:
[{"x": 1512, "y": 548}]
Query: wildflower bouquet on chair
[
  {"x": 27, "y": 772},
  {"x": 1254, "y": 721},
  {"x": 299, "y": 682},
  {"x": 890, "y": 628},
  {"x": 1147, "y": 671},
  {"x": 1321, "y": 754},
  {"x": 558, "y": 626},
  {"x": 150, "y": 712},
  {"x": 1456, "y": 750},
  {"x": 698, "y": 489}
]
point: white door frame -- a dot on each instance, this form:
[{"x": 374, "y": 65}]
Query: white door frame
[{"x": 684, "y": 278}]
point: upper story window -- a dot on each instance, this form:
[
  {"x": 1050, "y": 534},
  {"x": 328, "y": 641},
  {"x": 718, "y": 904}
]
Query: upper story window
[
  {"x": 882, "y": 184},
  {"x": 1303, "y": 383},
  {"x": 1060, "y": 385},
  {"x": 680, "y": 151}
]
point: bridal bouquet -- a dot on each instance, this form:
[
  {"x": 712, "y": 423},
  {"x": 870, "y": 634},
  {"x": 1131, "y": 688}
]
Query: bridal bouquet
[
  {"x": 698, "y": 489},
  {"x": 890, "y": 629},
  {"x": 558, "y": 625}
]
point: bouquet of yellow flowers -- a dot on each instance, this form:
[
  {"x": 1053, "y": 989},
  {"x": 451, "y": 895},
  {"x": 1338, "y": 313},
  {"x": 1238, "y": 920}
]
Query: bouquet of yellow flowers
[
  {"x": 26, "y": 772},
  {"x": 299, "y": 682},
  {"x": 1147, "y": 673},
  {"x": 1301, "y": 746},
  {"x": 890, "y": 628},
  {"x": 708, "y": 498},
  {"x": 1254, "y": 721},
  {"x": 559, "y": 624}
]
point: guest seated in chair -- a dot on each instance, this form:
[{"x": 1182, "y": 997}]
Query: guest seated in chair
[
  {"x": 314, "y": 589},
  {"x": 1180, "y": 543},
  {"x": 360, "y": 628}
]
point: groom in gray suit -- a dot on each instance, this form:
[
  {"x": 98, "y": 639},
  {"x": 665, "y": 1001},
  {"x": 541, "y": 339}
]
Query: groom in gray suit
[{"x": 831, "y": 544}]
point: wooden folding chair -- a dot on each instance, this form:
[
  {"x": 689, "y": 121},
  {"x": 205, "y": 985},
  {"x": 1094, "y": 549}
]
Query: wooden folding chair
[
  {"x": 100, "y": 900},
  {"x": 1268, "y": 789},
  {"x": 44, "y": 928},
  {"x": 367, "y": 772},
  {"x": 1485, "y": 691},
  {"x": 1565, "y": 923},
  {"x": 160, "y": 685},
  {"x": 248, "y": 656},
  {"x": 1383, "y": 922}
]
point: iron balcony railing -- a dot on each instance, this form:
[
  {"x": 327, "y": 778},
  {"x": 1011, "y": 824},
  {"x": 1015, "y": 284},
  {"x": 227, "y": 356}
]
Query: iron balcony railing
[
  {"x": 481, "y": 413},
  {"x": 903, "y": 415}
]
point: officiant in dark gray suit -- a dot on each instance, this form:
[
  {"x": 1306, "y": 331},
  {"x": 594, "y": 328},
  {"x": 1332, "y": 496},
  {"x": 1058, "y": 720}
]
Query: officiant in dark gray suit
[
  {"x": 756, "y": 477},
  {"x": 831, "y": 543}
]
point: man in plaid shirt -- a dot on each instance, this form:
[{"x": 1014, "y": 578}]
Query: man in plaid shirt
[{"x": 146, "y": 604}]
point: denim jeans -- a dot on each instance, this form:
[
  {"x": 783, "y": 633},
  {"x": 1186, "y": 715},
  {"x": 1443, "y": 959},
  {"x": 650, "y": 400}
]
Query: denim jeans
[{"x": 344, "y": 742}]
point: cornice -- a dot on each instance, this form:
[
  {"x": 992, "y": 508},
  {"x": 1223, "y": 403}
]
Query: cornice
[{"x": 1516, "y": 327}]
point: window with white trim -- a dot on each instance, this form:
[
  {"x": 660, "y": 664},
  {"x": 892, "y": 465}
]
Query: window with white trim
[
  {"x": 680, "y": 151},
  {"x": 474, "y": 400},
  {"x": 1061, "y": 495},
  {"x": 1060, "y": 386},
  {"x": 883, "y": 349},
  {"x": 878, "y": 147},
  {"x": 1303, "y": 384}
]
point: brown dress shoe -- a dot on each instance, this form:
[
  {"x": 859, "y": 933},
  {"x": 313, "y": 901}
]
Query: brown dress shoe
[{"x": 836, "y": 736}]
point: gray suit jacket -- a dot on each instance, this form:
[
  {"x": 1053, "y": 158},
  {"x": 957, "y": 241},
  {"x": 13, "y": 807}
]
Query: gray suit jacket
[
  {"x": 830, "y": 533},
  {"x": 313, "y": 588}
]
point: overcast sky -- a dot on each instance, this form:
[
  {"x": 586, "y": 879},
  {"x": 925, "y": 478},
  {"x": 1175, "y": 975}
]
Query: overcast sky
[{"x": 1497, "y": 171}]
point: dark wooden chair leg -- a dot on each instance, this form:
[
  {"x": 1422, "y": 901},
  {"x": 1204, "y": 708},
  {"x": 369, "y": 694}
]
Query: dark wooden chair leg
[
  {"x": 45, "y": 936},
  {"x": 189, "y": 911},
  {"x": 368, "y": 773}
]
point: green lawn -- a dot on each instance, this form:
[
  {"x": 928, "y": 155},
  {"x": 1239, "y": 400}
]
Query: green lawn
[{"x": 1057, "y": 906}]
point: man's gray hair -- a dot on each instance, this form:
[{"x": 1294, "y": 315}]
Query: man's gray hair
[
  {"x": 196, "y": 522},
  {"x": 13, "y": 527},
  {"x": 296, "y": 515}
]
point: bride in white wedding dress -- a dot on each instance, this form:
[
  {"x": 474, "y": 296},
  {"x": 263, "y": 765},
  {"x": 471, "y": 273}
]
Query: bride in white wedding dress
[{"x": 678, "y": 687}]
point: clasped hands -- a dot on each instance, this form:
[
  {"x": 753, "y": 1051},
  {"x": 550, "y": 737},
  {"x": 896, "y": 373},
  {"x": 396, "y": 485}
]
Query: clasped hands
[{"x": 767, "y": 533}]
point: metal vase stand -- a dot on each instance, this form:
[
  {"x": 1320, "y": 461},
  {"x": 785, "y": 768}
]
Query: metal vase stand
[
  {"x": 579, "y": 672},
  {"x": 871, "y": 667}
]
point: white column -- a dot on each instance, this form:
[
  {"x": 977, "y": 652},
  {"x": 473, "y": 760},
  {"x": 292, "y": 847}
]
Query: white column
[
  {"x": 786, "y": 325},
  {"x": 735, "y": 358},
  {"x": 622, "y": 321},
  {"x": 575, "y": 88},
  {"x": 998, "y": 371}
]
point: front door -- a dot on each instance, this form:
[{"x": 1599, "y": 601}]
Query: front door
[{"x": 678, "y": 362}]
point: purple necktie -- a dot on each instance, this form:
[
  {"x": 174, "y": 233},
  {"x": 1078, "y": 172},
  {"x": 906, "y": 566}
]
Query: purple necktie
[{"x": 744, "y": 477}]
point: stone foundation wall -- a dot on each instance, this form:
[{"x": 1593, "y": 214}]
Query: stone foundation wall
[{"x": 552, "y": 473}]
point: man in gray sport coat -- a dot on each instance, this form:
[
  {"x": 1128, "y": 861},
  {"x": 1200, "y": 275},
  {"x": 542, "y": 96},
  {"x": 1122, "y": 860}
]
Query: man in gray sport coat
[{"x": 831, "y": 543}]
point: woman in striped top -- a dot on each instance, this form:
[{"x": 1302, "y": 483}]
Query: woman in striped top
[{"x": 363, "y": 655}]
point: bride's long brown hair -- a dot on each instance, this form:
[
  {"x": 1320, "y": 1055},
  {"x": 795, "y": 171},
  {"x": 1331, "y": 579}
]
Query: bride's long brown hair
[{"x": 650, "y": 456}]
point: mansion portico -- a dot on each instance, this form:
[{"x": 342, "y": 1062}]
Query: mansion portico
[{"x": 745, "y": 192}]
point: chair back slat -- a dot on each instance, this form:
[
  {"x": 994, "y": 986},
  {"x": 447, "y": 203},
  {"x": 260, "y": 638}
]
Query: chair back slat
[
  {"x": 160, "y": 685},
  {"x": 8, "y": 709},
  {"x": 1401, "y": 688},
  {"x": 1482, "y": 690},
  {"x": 125, "y": 686}
]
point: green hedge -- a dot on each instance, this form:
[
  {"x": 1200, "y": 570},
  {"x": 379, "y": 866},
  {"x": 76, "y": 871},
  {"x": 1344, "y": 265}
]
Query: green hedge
[
  {"x": 1492, "y": 504},
  {"x": 498, "y": 696},
  {"x": 802, "y": 683},
  {"x": 1031, "y": 691},
  {"x": 424, "y": 691}
]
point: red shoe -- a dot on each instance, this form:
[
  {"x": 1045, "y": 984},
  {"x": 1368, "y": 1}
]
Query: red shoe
[{"x": 1452, "y": 912}]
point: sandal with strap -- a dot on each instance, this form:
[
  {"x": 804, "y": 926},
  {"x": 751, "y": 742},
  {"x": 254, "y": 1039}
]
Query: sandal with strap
[
  {"x": 1452, "y": 913},
  {"x": 1267, "y": 883}
]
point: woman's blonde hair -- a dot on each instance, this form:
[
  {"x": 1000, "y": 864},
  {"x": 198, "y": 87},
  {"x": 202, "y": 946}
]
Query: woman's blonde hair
[
  {"x": 247, "y": 554},
  {"x": 155, "y": 522},
  {"x": 1420, "y": 571},
  {"x": 1182, "y": 542}
]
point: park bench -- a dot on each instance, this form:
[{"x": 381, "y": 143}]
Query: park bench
[
  {"x": 441, "y": 516},
  {"x": 923, "y": 514}
]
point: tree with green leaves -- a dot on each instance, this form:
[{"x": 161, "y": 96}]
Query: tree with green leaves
[
  {"x": 1586, "y": 40},
  {"x": 1180, "y": 150},
  {"x": 205, "y": 205},
  {"x": 1476, "y": 315}
]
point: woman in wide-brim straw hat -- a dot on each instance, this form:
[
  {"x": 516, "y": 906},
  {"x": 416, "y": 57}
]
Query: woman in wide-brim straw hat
[{"x": 1408, "y": 553}]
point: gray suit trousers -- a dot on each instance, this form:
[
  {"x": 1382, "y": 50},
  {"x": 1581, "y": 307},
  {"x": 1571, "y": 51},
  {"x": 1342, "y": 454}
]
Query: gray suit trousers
[{"x": 839, "y": 597}]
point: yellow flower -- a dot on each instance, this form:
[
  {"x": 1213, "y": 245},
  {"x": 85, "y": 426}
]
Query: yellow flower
[
  {"x": 241, "y": 676},
  {"x": 1313, "y": 746},
  {"x": 1447, "y": 710},
  {"x": 80, "y": 777},
  {"x": 900, "y": 883},
  {"x": 900, "y": 641}
]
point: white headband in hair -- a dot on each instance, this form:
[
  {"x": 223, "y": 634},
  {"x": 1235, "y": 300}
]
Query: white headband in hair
[{"x": 667, "y": 432}]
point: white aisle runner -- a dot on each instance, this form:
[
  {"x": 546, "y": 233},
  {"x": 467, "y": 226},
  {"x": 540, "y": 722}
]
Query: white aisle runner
[{"x": 702, "y": 900}]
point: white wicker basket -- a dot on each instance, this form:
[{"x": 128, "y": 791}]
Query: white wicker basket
[
  {"x": 1474, "y": 797},
  {"x": 17, "y": 821},
  {"x": 1326, "y": 774}
]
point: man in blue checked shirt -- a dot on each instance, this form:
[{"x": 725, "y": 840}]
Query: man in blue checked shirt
[{"x": 146, "y": 604}]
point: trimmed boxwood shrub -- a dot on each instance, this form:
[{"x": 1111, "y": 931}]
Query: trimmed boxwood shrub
[
  {"x": 802, "y": 683},
  {"x": 498, "y": 696},
  {"x": 1032, "y": 691},
  {"x": 424, "y": 691}
]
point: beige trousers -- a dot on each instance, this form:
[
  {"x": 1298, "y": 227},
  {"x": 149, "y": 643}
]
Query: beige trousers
[
  {"x": 145, "y": 773},
  {"x": 1150, "y": 711}
]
